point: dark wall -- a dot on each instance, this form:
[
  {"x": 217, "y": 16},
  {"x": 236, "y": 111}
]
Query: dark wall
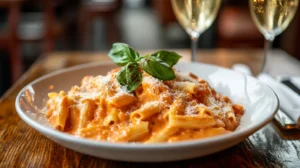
[{"x": 4, "y": 73}]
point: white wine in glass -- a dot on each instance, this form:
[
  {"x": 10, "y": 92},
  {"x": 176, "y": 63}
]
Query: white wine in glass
[
  {"x": 195, "y": 16},
  {"x": 272, "y": 17}
]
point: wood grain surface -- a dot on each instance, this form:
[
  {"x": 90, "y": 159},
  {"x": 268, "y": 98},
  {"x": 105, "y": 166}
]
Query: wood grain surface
[{"x": 22, "y": 146}]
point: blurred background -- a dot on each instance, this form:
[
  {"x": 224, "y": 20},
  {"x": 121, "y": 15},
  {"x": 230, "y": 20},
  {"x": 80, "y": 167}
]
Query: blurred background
[{"x": 29, "y": 29}]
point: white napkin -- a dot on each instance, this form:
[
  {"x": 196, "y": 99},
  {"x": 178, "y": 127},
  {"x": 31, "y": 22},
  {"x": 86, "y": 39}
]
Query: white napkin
[
  {"x": 289, "y": 100},
  {"x": 296, "y": 81}
]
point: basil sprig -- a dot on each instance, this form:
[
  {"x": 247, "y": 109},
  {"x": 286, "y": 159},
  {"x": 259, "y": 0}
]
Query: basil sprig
[{"x": 158, "y": 65}]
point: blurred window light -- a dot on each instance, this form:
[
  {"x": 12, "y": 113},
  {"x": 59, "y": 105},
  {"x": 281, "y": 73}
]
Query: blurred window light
[
  {"x": 31, "y": 26},
  {"x": 134, "y": 3}
]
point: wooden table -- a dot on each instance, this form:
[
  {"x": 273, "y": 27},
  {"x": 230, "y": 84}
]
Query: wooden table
[{"x": 22, "y": 146}]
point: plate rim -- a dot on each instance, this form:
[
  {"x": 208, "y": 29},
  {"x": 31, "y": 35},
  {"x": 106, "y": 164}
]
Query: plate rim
[{"x": 46, "y": 130}]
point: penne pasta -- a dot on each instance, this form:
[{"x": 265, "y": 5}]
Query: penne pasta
[
  {"x": 121, "y": 100},
  {"x": 112, "y": 117},
  {"x": 238, "y": 109},
  {"x": 137, "y": 131},
  {"x": 192, "y": 121},
  {"x": 178, "y": 107},
  {"x": 186, "y": 86},
  {"x": 86, "y": 109},
  {"x": 163, "y": 135},
  {"x": 59, "y": 111},
  {"x": 204, "y": 111},
  {"x": 231, "y": 117},
  {"x": 91, "y": 130},
  {"x": 156, "y": 111},
  {"x": 146, "y": 111}
]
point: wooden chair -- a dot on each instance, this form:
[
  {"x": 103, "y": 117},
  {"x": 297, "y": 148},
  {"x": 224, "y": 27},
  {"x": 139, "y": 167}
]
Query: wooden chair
[
  {"x": 10, "y": 41},
  {"x": 90, "y": 10},
  {"x": 9, "y": 37},
  {"x": 52, "y": 28}
]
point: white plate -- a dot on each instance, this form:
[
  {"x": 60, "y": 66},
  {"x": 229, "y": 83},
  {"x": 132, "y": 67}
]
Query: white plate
[{"x": 259, "y": 100}]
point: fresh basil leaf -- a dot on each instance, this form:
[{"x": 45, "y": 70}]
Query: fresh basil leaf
[
  {"x": 122, "y": 54},
  {"x": 121, "y": 77},
  {"x": 171, "y": 58},
  {"x": 130, "y": 76},
  {"x": 157, "y": 68}
]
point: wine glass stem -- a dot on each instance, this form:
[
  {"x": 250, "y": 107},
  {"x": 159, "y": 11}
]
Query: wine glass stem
[
  {"x": 194, "y": 48},
  {"x": 266, "y": 62}
]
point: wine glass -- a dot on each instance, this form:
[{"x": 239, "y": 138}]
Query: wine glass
[
  {"x": 195, "y": 16},
  {"x": 272, "y": 17}
]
